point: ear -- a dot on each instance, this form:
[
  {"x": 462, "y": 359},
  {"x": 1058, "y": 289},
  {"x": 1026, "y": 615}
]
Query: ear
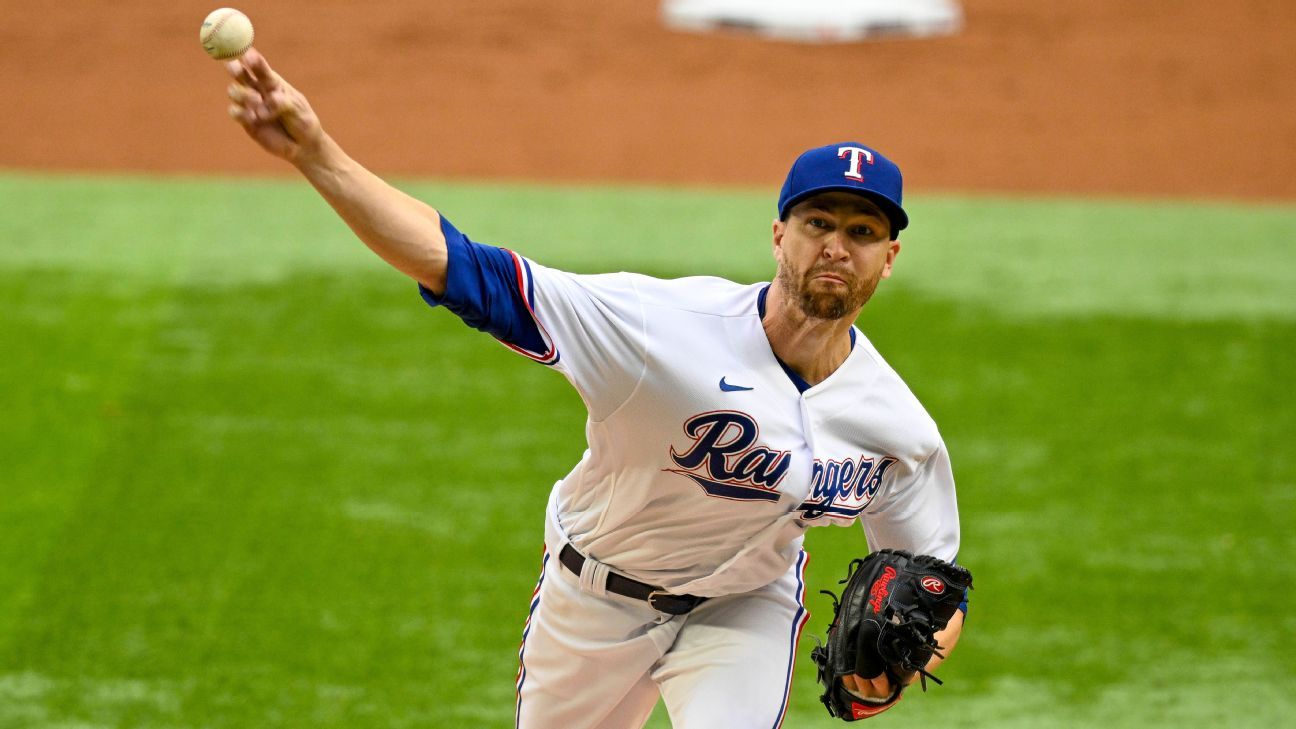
[
  {"x": 779, "y": 229},
  {"x": 893, "y": 250}
]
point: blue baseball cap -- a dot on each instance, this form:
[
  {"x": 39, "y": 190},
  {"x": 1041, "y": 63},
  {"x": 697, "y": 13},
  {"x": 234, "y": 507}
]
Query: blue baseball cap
[{"x": 846, "y": 167}]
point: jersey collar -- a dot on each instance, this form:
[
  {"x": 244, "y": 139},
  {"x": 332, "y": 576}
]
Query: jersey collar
[{"x": 797, "y": 380}]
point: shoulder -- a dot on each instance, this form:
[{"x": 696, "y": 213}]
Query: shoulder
[
  {"x": 603, "y": 287},
  {"x": 710, "y": 295},
  {"x": 910, "y": 419},
  {"x": 698, "y": 294}
]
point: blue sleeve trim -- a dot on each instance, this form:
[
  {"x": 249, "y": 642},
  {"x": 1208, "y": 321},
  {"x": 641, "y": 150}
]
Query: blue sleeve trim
[{"x": 491, "y": 290}]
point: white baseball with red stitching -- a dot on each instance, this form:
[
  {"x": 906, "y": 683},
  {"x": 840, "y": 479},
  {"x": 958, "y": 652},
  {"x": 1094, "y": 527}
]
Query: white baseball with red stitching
[{"x": 226, "y": 33}]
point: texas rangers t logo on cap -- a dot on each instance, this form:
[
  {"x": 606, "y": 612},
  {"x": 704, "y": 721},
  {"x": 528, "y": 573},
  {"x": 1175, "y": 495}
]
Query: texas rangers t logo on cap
[
  {"x": 857, "y": 156},
  {"x": 822, "y": 170}
]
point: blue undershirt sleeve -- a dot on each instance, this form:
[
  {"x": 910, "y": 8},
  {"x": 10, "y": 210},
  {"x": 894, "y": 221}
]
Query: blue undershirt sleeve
[{"x": 484, "y": 288}]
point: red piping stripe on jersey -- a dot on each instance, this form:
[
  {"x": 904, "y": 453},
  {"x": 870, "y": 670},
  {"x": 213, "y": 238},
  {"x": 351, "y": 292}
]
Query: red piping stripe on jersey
[
  {"x": 798, "y": 623},
  {"x": 550, "y": 356}
]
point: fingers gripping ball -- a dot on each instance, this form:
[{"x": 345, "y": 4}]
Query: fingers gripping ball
[
  {"x": 886, "y": 622},
  {"x": 226, "y": 33}
]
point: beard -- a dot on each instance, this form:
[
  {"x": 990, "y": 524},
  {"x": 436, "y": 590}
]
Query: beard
[{"x": 833, "y": 303}]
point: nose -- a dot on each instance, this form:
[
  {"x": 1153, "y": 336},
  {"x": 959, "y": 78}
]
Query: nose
[{"x": 835, "y": 245}]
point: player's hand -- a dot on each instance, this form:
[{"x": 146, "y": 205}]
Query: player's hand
[
  {"x": 879, "y": 687},
  {"x": 272, "y": 112}
]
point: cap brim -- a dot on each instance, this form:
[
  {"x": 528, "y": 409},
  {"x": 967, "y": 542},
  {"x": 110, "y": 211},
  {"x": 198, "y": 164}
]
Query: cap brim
[{"x": 896, "y": 215}]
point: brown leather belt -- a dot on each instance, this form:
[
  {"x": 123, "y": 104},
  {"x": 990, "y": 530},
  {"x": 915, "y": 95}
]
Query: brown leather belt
[{"x": 657, "y": 598}]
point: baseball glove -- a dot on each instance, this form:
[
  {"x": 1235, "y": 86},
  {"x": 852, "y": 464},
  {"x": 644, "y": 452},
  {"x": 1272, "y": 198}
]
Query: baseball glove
[{"x": 886, "y": 621}]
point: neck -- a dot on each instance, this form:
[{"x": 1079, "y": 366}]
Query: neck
[{"x": 813, "y": 348}]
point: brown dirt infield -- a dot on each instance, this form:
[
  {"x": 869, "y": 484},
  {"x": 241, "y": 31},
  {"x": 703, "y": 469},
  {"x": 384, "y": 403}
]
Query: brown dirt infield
[{"x": 1186, "y": 98}]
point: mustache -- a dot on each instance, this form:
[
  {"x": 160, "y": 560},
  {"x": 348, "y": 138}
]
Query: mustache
[{"x": 842, "y": 273}]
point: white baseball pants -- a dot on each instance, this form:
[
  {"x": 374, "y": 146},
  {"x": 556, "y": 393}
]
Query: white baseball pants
[{"x": 601, "y": 662}]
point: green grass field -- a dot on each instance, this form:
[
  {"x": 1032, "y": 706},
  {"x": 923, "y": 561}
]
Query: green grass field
[{"x": 250, "y": 480}]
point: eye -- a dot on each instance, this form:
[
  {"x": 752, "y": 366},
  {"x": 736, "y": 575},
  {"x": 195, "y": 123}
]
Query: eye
[
  {"x": 862, "y": 231},
  {"x": 818, "y": 223}
]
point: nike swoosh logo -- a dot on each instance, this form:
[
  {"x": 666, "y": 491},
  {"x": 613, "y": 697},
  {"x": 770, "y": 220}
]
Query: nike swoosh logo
[{"x": 726, "y": 387}]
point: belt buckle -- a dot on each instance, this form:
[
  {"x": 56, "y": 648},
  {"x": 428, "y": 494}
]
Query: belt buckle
[
  {"x": 652, "y": 596},
  {"x": 684, "y": 604}
]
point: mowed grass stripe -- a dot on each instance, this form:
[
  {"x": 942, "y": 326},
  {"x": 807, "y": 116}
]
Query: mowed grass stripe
[
  {"x": 288, "y": 495},
  {"x": 1023, "y": 257},
  {"x": 70, "y": 355}
]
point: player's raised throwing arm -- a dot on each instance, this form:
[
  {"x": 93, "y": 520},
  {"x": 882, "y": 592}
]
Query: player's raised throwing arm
[{"x": 404, "y": 231}]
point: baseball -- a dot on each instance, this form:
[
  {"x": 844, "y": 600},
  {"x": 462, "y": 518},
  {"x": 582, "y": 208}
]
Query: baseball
[{"x": 226, "y": 33}]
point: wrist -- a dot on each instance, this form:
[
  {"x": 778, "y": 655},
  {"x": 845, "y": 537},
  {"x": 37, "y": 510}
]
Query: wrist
[{"x": 317, "y": 155}]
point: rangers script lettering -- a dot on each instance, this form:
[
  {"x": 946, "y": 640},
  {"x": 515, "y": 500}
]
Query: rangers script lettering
[
  {"x": 845, "y": 488},
  {"x": 730, "y": 467}
]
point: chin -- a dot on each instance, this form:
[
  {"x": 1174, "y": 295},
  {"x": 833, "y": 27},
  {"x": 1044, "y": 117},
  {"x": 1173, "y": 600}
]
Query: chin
[{"x": 824, "y": 306}]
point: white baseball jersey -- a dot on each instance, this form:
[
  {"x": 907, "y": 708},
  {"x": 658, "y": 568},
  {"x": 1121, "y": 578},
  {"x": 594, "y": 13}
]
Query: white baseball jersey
[{"x": 706, "y": 460}]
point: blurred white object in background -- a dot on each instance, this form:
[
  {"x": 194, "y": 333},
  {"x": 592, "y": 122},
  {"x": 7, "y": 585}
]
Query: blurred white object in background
[{"x": 817, "y": 21}]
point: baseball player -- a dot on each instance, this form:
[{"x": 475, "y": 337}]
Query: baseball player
[{"x": 724, "y": 421}]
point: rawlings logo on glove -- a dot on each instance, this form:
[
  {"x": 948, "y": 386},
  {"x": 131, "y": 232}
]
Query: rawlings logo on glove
[
  {"x": 886, "y": 621},
  {"x": 878, "y": 592}
]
